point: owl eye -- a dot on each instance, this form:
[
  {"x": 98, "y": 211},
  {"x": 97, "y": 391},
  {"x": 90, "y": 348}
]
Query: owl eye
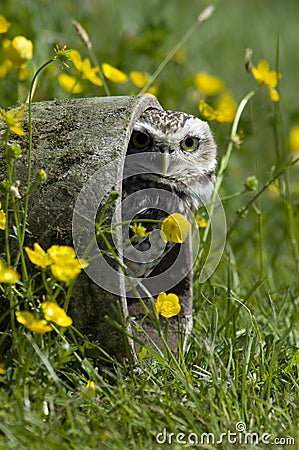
[
  {"x": 140, "y": 140},
  {"x": 189, "y": 144}
]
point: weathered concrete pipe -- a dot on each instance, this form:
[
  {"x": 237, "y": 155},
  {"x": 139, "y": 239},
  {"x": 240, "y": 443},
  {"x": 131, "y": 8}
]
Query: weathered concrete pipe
[{"x": 82, "y": 145}]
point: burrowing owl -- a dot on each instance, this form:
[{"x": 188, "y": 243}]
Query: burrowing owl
[{"x": 175, "y": 153}]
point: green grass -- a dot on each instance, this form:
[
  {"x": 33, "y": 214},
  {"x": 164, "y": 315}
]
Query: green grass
[{"x": 242, "y": 362}]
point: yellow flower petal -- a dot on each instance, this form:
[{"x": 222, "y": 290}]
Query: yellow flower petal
[
  {"x": 25, "y": 317},
  {"x": 18, "y": 51},
  {"x": 17, "y": 129},
  {"x": 264, "y": 76},
  {"x": 91, "y": 75},
  {"x": 260, "y": 72},
  {"x": 4, "y": 25},
  {"x": 31, "y": 323},
  {"x": 139, "y": 78},
  {"x": 207, "y": 111},
  {"x": 91, "y": 388},
  {"x": 4, "y": 68},
  {"x": 70, "y": 84},
  {"x": 85, "y": 68},
  {"x": 8, "y": 274},
  {"x": 61, "y": 253},
  {"x": 12, "y": 119},
  {"x": 167, "y": 305},
  {"x": 201, "y": 222},
  {"x": 274, "y": 94},
  {"x": 272, "y": 79},
  {"x": 2, "y": 369},
  {"x": 175, "y": 228},
  {"x": 18, "y": 114},
  {"x": 76, "y": 59},
  {"x": 23, "y": 73},
  {"x": 293, "y": 139},
  {"x": 208, "y": 84},
  {"x": 113, "y": 74},
  {"x": 2, "y": 219},
  {"x": 66, "y": 267},
  {"x": 38, "y": 256},
  {"x": 53, "y": 313},
  {"x": 226, "y": 109},
  {"x": 66, "y": 272}
]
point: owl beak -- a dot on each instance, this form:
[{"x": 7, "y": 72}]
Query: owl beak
[
  {"x": 165, "y": 162},
  {"x": 165, "y": 155}
]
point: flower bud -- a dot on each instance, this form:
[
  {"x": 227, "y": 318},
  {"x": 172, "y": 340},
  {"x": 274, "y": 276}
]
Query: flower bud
[
  {"x": 41, "y": 176},
  {"x": 251, "y": 184},
  {"x": 12, "y": 152}
]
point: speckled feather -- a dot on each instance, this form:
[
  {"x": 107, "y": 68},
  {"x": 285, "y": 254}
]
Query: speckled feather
[{"x": 166, "y": 121}]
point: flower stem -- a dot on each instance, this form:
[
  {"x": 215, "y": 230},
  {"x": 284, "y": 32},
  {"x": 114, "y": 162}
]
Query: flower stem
[
  {"x": 95, "y": 62},
  {"x": 6, "y": 210},
  {"x": 225, "y": 159},
  {"x": 201, "y": 18},
  {"x": 28, "y": 181}
]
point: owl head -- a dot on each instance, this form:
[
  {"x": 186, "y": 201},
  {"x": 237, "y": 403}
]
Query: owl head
[{"x": 187, "y": 147}]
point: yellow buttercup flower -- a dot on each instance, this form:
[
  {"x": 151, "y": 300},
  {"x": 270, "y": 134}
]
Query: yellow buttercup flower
[
  {"x": 85, "y": 69},
  {"x": 139, "y": 78},
  {"x": 91, "y": 389},
  {"x": 139, "y": 230},
  {"x": 167, "y": 305},
  {"x": 91, "y": 75},
  {"x": 2, "y": 370},
  {"x": 267, "y": 77},
  {"x": 8, "y": 274},
  {"x": 113, "y": 74},
  {"x": 226, "y": 109},
  {"x": 224, "y": 112},
  {"x": 38, "y": 326},
  {"x": 70, "y": 84},
  {"x": 175, "y": 228},
  {"x": 65, "y": 267},
  {"x": 53, "y": 313},
  {"x": 38, "y": 256},
  {"x": 12, "y": 119},
  {"x": 62, "y": 260},
  {"x": 2, "y": 219},
  {"x": 201, "y": 221},
  {"x": 18, "y": 51},
  {"x": 4, "y": 25},
  {"x": 66, "y": 272},
  {"x": 208, "y": 84},
  {"x": 293, "y": 139},
  {"x": 207, "y": 111},
  {"x": 61, "y": 253}
]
